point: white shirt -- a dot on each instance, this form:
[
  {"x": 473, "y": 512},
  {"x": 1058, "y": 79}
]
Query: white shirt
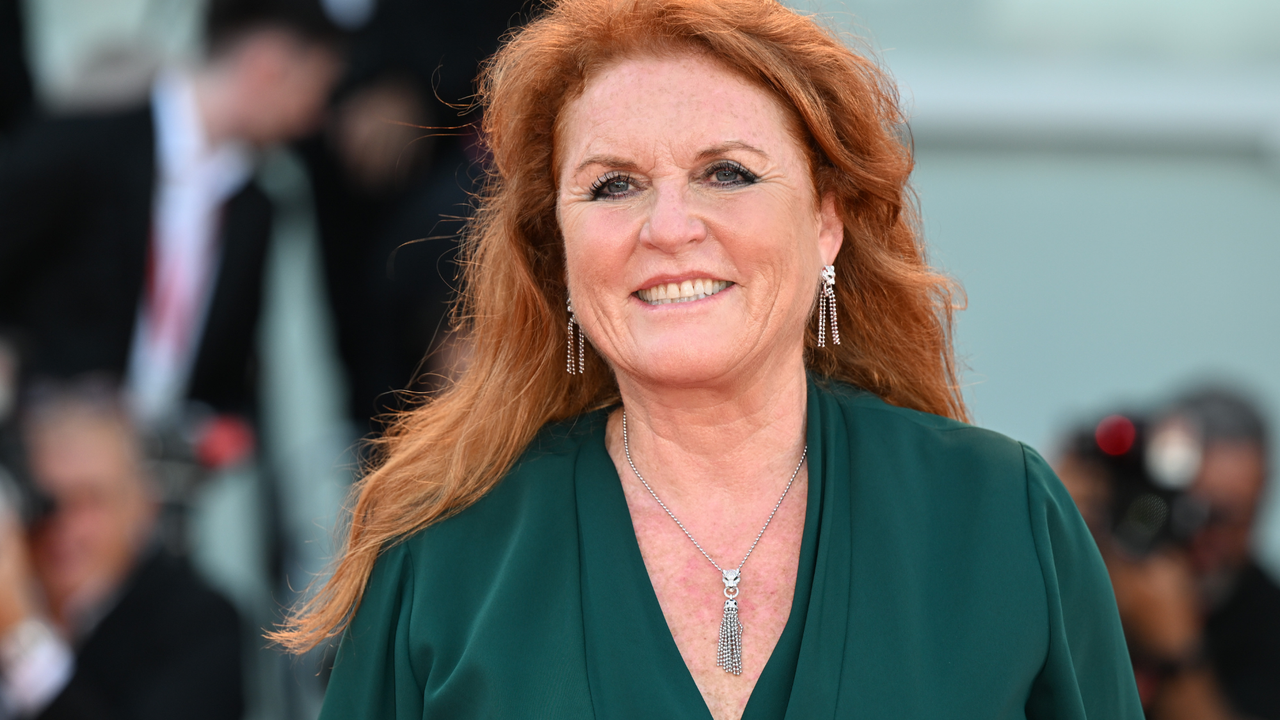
[
  {"x": 35, "y": 665},
  {"x": 193, "y": 181}
]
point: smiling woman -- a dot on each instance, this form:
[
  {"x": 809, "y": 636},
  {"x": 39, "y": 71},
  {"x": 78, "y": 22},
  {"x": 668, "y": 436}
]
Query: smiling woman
[{"x": 719, "y": 511}]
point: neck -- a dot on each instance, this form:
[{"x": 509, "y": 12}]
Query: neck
[{"x": 741, "y": 438}]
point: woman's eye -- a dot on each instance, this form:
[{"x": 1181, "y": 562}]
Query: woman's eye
[
  {"x": 611, "y": 186},
  {"x": 731, "y": 174}
]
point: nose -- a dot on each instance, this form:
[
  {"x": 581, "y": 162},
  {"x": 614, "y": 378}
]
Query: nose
[{"x": 672, "y": 224}]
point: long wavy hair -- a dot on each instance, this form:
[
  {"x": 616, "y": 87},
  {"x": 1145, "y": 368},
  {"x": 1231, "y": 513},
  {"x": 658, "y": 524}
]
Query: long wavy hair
[{"x": 896, "y": 312}]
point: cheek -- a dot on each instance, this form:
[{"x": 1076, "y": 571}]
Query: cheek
[
  {"x": 773, "y": 243},
  {"x": 301, "y": 109},
  {"x": 93, "y": 525},
  {"x": 598, "y": 242}
]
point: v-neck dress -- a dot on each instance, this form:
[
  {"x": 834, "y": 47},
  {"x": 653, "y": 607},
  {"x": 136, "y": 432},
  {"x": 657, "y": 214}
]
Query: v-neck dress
[{"x": 944, "y": 573}]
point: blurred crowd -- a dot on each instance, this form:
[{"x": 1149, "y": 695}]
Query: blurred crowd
[
  {"x": 134, "y": 240},
  {"x": 134, "y": 237},
  {"x": 1172, "y": 495}
]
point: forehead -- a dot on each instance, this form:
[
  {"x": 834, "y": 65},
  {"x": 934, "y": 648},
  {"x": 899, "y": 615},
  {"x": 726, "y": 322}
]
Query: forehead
[
  {"x": 78, "y": 452},
  {"x": 681, "y": 103}
]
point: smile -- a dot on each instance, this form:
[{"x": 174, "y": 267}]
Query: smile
[{"x": 686, "y": 291}]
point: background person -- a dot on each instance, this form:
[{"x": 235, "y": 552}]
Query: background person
[
  {"x": 393, "y": 176},
  {"x": 680, "y": 182},
  {"x": 133, "y": 243},
  {"x": 1202, "y": 617},
  {"x": 96, "y": 619}
]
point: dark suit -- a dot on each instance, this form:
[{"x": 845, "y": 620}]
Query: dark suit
[
  {"x": 169, "y": 649},
  {"x": 15, "y": 83},
  {"x": 1242, "y": 638},
  {"x": 76, "y": 198},
  {"x": 389, "y": 293}
]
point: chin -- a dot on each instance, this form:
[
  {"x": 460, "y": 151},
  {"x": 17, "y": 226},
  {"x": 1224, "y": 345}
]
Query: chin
[{"x": 689, "y": 362}]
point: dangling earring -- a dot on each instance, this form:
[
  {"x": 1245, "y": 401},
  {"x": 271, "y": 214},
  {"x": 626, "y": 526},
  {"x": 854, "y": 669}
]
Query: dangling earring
[
  {"x": 581, "y": 364},
  {"x": 827, "y": 305}
]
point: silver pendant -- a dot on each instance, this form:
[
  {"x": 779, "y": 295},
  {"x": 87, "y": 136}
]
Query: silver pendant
[{"x": 729, "y": 653}]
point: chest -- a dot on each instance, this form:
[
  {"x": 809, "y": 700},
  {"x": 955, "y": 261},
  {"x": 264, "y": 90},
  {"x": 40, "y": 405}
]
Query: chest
[{"x": 691, "y": 591}]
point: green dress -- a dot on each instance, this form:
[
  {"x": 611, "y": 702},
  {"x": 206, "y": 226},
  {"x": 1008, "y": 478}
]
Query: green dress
[{"x": 944, "y": 573}]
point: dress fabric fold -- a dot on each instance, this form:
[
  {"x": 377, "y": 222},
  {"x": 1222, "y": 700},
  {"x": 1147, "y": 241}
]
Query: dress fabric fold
[{"x": 943, "y": 572}]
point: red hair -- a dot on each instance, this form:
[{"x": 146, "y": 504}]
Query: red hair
[{"x": 439, "y": 458}]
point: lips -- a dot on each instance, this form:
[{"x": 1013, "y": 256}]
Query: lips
[{"x": 683, "y": 291}]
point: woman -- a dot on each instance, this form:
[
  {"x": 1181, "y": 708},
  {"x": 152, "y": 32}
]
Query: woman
[{"x": 726, "y": 506}]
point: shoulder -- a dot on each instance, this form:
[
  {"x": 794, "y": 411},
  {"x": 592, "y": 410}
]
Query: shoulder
[
  {"x": 504, "y": 570},
  {"x": 960, "y": 484},
  {"x": 543, "y": 470},
  {"x": 533, "y": 506},
  {"x": 107, "y": 133},
  {"x": 76, "y": 148},
  {"x": 166, "y": 612},
  {"x": 924, "y": 440},
  {"x": 168, "y": 590}
]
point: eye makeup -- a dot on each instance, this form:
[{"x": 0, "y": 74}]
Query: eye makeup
[
  {"x": 611, "y": 184},
  {"x": 724, "y": 174},
  {"x": 721, "y": 173}
]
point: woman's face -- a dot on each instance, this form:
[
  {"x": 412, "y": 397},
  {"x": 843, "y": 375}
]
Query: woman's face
[{"x": 693, "y": 237}]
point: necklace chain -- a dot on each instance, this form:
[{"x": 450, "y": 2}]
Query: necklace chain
[{"x": 626, "y": 448}]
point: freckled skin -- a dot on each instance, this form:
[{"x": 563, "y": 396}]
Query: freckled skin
[
  {"x": 691, "y": 592},
  {"x": 676, "y": 168},
  {"x": 658, "y": 115}
]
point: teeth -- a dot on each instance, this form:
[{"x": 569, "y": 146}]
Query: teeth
[{"x": 686, "y": 291}]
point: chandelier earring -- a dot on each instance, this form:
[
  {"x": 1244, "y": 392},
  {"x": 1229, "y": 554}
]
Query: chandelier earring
[
  {"x": 575, "y": 365},
  {"x": 827, "y": 307}
]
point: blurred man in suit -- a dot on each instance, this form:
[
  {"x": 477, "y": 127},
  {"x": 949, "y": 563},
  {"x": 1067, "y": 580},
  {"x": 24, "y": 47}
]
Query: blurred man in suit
[
  {"x": 133, "y": 244},
  {"x": 96, "y": 620},
  {"x": 392, "y": 177}
]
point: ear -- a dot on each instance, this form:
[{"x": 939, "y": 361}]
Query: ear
[{"x": 831, "y": 230}]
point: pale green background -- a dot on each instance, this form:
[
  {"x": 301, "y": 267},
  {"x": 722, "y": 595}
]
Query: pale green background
[{"x": 1103, "y": 177}]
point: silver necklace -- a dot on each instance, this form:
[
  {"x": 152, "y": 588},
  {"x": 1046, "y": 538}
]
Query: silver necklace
[{"x": 729, "y": 651}]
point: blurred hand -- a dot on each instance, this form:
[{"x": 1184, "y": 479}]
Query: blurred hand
[
  {"x": 16, "y": 602},
  {"x": 1193, "y": 695},
  {"x": 1159, "y": 604},
  {"x": 375, "y": 135},
  {"x": 1161, "y": 611}
]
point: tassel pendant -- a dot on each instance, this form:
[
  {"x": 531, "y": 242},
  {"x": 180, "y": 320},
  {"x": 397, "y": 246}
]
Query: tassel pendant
[
  {"x": 729, "y": 656},
  {"x": 729, "y": 653}
]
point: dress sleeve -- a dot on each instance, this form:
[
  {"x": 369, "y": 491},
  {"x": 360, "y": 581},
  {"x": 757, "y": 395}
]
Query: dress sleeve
[
  {"x": 1087, "y": 673},
  {"x": 372, "y": 675}
]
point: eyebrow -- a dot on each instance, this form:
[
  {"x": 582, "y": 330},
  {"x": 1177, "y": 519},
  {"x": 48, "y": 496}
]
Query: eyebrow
[
  {"x": 724, "y": 147},
  {"x": 621, "y": 164},
  {"x": 608, "y": 161}
]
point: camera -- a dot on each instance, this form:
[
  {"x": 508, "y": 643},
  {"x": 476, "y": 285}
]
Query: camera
[{"x": 1146, "y": 466}]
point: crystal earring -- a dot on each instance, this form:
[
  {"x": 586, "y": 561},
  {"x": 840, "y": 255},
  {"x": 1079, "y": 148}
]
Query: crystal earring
[
  {"x": 827, "y": 306},
  {"x": 581, "y": 363}
]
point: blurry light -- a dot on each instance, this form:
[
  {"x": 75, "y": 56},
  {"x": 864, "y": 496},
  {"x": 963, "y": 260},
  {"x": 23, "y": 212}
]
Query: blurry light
[
  {"x": 348, "y": 14},
  {"x": 224, "y": 441},
  {"x": 1174, "y": 455},
  {"x": 1115, "y": 435}
]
